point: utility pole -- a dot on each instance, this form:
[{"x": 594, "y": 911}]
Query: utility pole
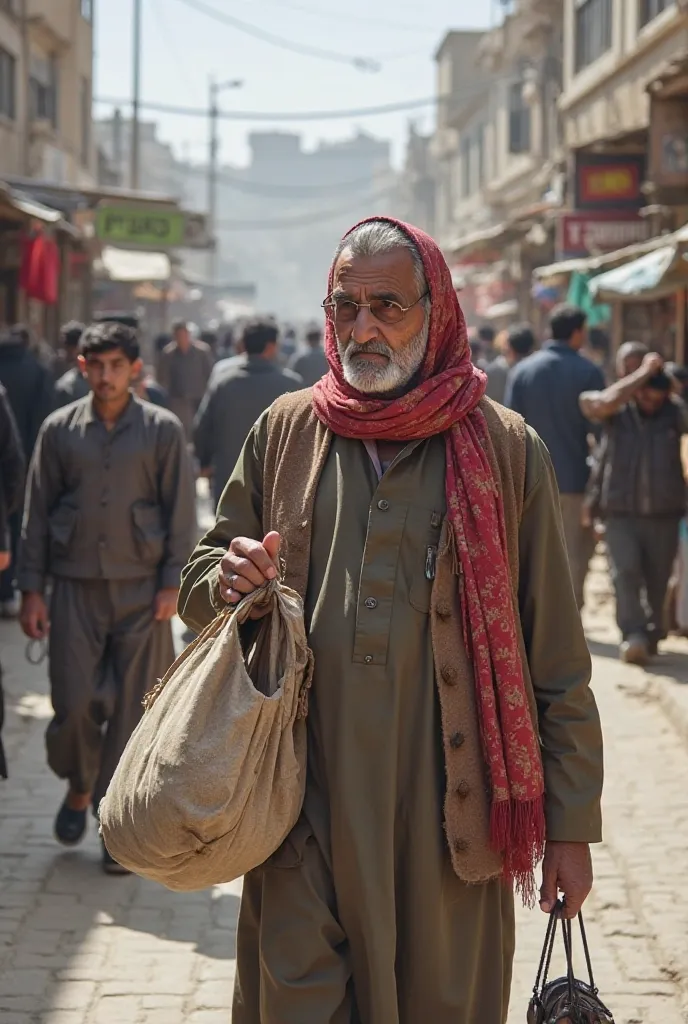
[
  {"x": 213, "y": 153},
  {"x": 136, "y": 98},
  {"x": 24, "y": 97},
  {"x": 213, "y": 147}
]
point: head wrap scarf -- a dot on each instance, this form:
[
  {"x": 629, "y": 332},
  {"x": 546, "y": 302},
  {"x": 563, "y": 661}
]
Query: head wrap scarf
[{"x": 445, "y": 400}]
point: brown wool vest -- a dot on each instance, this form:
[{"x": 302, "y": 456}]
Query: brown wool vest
[{"x": 297, "y": 447}]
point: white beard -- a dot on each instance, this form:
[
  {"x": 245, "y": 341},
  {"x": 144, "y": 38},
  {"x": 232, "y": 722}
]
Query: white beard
[{"x": 373, "y": 378}]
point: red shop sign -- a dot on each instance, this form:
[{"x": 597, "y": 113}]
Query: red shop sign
[{"x": 585, "y": 234}]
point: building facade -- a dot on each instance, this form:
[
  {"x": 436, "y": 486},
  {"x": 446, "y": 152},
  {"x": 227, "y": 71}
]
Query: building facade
[
  {"x": 624, "y": 110},
  {"x": 498, "y": 155},
  {"x": 46, "y": 84}
]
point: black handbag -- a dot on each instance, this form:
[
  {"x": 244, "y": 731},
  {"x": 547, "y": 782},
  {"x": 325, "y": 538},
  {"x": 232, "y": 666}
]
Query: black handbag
[{"x": 565, "y": 1000}]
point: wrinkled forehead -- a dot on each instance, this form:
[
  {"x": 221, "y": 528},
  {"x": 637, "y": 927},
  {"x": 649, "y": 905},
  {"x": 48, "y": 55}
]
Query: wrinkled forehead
[{"x": 391, "y": 272}]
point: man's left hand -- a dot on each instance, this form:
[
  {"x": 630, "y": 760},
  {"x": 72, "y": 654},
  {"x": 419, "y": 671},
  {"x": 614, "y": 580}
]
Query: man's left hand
[
  {"x": 166, "y": 604},
  {"x": 567, "y": 868}
]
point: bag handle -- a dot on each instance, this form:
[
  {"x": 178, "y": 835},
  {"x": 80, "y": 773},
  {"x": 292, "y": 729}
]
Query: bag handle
[
  {"x": 241, "y": 611},
  {"x": 548, "y": 949}
]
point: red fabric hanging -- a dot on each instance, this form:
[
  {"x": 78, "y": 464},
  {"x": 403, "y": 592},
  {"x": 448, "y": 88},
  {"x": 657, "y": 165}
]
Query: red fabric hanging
[{"x": 40, "y": 269}]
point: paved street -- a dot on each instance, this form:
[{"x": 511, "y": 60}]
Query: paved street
[{"x": 79, "y": 948}]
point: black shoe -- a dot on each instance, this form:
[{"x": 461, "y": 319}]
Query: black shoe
[
  {"x": 70, "y": 826},
  {"x": 110, "y": 865}
]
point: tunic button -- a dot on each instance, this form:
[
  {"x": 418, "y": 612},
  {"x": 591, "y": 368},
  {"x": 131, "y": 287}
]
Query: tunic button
[
  {"x": 463, "y": 789},
  {"x": 457, "y": 740},
  {"x": 383, "y": 505},
  {"x": 368, "y": 659},
  {"x": 449, "y": 675},
  {"x": 461, "y": 845},
  {"x": 443, "y": 610},
  {"x": 370, "y": 602},
  {"x": 436, "y": 519}
]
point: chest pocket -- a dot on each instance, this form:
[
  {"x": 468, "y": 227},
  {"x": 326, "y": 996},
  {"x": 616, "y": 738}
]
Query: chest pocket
[{"x": 419, "y": 555}]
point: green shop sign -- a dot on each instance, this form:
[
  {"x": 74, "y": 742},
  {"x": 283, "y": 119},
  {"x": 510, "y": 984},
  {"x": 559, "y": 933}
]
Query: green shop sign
[{"x": 138, "y": 226}]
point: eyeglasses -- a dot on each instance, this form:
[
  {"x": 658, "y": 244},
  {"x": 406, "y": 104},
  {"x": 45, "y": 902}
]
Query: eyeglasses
[{"x": 345, "y": 311}]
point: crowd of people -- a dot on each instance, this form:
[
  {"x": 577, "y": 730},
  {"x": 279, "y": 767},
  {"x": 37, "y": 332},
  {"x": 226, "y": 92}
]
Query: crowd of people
[
  {"x": 425, "y": 493},
  {"x": 109, "y": 449},
  {"x": 616, "y": 452}
]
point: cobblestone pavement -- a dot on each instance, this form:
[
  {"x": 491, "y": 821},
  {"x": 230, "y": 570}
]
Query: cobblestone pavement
[{"x": 77, "y": 947}]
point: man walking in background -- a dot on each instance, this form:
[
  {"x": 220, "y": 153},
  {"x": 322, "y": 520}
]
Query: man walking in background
[
  {"x": 71, "y": 384},
  {"x": 11, "y": 494},
  {"x": 310, "y": 364},
  {"x": 640, "y": 494},
  {"x": 520, "y": 342},
  {"x": 184, "y": 370},
  {"x": 545, "y": 390},
  {"x": 29, "y": 386},
  {"x": 235, "y": 400},
  {"x": 68, "y": 351},
  {"x": 110, "y": 518}
]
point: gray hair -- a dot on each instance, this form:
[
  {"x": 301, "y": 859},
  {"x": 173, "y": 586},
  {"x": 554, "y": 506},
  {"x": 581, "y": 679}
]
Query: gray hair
[{"x": 377, "y": 237}]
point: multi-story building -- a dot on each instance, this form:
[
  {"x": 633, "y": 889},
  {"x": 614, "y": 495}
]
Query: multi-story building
[
  {"x": 624, "y": 114},
  {"x": 625, "y": 105},
  {"x": 497, "y": 150},
  {"x": 46, "y": 60}
]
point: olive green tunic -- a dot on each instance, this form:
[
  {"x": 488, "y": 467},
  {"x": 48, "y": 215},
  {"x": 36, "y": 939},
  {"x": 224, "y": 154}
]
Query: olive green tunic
[{"x": 360, "y": 918}]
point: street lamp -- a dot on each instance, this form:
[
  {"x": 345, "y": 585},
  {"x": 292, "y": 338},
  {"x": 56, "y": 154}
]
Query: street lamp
[{"x": 213, "y": 150}]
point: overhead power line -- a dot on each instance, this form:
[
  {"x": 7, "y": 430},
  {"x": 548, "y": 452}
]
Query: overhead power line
[
  {"x": 360, "y": 63},
  {"x": 259, "y": 188},
  {"x": 359, "y": 19},
  {"x": 280, "y": 115},
  {"x": 300, "y": 220}
]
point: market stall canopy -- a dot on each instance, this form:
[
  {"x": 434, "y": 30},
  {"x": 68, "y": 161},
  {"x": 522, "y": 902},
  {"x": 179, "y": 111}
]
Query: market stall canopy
[
  {"x": 651, "y": 276},
  {"x": 589, "y": 264},
  {"x": 23, "y": 203},
  {"x": 133, "y": 266}
]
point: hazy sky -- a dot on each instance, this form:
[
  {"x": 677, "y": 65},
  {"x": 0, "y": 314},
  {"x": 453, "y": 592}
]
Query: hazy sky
[{"x": 182, "y": 47}]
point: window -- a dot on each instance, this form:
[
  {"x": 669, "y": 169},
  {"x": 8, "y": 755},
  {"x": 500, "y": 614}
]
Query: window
[
  {"x": 519, "y": 120},
  {"x": 85, "y": 122},
  {"x": 8, "y": 70},
  {"x": 43, "y": 89},
  {"x": 650, "y": 9},
  {"x": 593, "y": 30},
  {"x": 87, "y": 9},
  {"x": 466, "y": 182},
  {"x": 480, "y": 155}
]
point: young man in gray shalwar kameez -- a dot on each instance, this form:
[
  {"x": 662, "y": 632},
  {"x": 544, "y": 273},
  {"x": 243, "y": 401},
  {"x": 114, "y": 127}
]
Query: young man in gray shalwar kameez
[{"x": 109, "y": 517}]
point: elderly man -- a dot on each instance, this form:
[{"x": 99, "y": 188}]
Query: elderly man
[{"x": 420, "y": 523}]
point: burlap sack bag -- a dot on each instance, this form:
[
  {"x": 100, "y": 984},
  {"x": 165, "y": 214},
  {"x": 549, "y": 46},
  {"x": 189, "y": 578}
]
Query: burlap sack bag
[{"x": 213, "y": 779}]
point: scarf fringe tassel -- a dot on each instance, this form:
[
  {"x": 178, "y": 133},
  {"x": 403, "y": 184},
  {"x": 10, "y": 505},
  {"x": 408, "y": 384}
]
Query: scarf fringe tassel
[{"x": 517, "y": 829}]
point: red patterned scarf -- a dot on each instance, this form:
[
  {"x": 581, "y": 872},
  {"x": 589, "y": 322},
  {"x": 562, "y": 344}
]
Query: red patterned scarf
[{"x": 446, "y": 401}]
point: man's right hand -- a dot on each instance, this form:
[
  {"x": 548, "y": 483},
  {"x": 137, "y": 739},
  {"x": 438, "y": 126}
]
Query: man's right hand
[
  {"x": 247, "y": 566},
  {"x": 33, "y": 617},
  {"x": 652, "y": 363},
  {"x": 5, "y": 560}
]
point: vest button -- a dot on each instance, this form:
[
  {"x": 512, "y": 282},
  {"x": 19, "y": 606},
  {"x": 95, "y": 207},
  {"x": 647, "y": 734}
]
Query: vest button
[
  {"x": 368, "y": 659},
  {"x": 443, "y": 610},
  {"x": 435, "y": 520},
  {"x": 456, "y": 740},
  {"x": 449, "y": 675},
  {"x": 371, "y": 602},
  {"x": 383, "y": 505},
  {"x": 461, "y": 845},
  {"x": 463, "y": 790}
]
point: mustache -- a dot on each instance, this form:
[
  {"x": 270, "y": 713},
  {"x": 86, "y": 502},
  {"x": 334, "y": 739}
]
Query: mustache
[{"x": 376, "y": 348}]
